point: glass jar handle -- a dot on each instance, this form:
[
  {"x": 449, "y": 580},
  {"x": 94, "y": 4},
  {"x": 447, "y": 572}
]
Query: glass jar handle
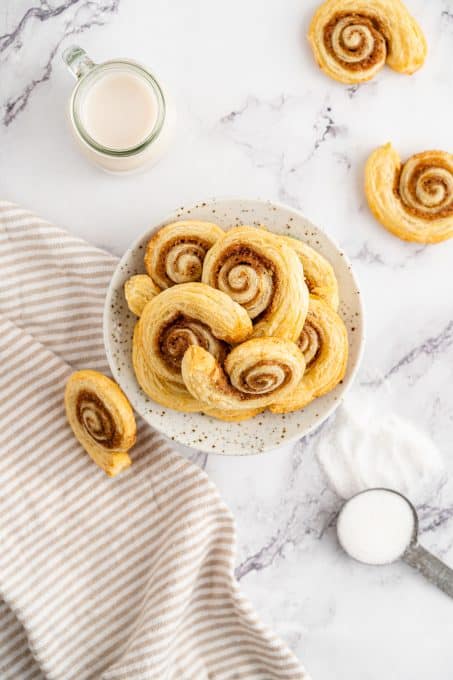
[{"x": 77, "y": 61}]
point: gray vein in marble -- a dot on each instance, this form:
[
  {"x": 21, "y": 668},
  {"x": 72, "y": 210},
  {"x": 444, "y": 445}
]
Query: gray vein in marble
[
  {"x": 324, "y": 125},
  {"x": 447, "y": 15},
  {"x": 278, "y": 160},
  {"x": 434, "y": 345},
  {"x": 368, "y": 256},
  {"x": 309, "y": 507},
  {"x": 284, "y": 195},
  {"x": 300, "y": 523},
  {"x": 251, "y": 101},
  {"x": 302, "y": 447},
  {"x": 272, "y": 549},
  {"x": 325, "y": 128},
  {"x": 78, "y": 24},
  {"x": 343, "y": 159},
  {"x": 433, "y": 517},
  {"x": 14, "y": 106},
  {"x": 41, "y": 13},
  {"x": 352, "y": 90}
]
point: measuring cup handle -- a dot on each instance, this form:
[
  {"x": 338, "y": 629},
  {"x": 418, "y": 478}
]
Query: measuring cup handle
[
  {"x": 77, "y": 61},
  {"x": 431, "y": 567}
]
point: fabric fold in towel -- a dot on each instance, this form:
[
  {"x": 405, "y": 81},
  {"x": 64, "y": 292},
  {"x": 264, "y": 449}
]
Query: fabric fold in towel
[{"x": 113, "y": 579}]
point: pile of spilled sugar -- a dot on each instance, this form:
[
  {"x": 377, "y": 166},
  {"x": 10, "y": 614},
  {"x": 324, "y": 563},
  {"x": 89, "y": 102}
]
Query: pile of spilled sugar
[{"x": 365, "y": 447}]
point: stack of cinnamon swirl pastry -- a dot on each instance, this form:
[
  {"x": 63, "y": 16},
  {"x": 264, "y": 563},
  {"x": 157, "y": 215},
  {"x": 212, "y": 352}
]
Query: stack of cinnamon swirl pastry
[{"x": 235, "y": 322}]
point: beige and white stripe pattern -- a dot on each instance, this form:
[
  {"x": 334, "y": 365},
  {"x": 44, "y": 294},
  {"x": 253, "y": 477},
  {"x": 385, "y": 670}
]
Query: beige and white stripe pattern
[{"x": 102, "y": 578}]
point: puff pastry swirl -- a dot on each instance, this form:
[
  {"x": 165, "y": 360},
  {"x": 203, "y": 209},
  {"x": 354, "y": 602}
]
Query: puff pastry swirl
[
  {"x": 413, "y": 200},
  {"x": 175, "y": 254},
  {"x": 181, "y": 316},
  {"x": 318, "y": 272},
  {"x": 254, "y": 374},
  {"x": 257, "y": 270},
  {"x": 353, "y": 39},
  {"x": 324, "y": 343},
  {"x": 138, "y": 290},
  {"x": 101, "y": 418},
  {"x": 175, "y": 395}
]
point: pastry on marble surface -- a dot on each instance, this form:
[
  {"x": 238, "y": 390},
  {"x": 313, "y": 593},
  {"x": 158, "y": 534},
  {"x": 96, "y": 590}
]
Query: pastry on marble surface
[
  {"x": 413, "y": 200},
  {"x": 138, "y": 290},
  {"x": 263, "y": 275},
  {"x": 176, "y": 252},
  {"x": 255, "y": 374},
  {"x": 101, "y": 418},
  {"x": 324, "y": 343},
  {"x": 318, "y": 272},
  {"x": 183, "y": 315},
  {"x": 353, "y": 39}
]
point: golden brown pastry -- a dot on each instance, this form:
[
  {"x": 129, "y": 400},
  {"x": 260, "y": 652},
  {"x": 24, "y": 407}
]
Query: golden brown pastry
[
  {"x": 233, "y": 416},
  {"x": 413, "y": 200},
  {"x": 175, "y": 395},
  {"x": 353, "y": 39},
  {"x": 168, "y": 393},
  {"x": 324, "y": 343},
  {"x": 176, "y": 252},
  {"x": 184, "y": 315},
  {"x": 139, "y": 290},
  {"x": 101, "y": 418},
  {"x": 318, "y": 272},
  {"x": 254, "y": 374},
  {"x": 265, "y": 276}
]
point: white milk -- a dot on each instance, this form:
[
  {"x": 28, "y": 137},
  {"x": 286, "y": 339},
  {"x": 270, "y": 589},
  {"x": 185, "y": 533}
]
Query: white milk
[
  {"x": 376, "y": 526},
  {"x": 119, "y": 113},
  {"x": 119, "y": 110}
]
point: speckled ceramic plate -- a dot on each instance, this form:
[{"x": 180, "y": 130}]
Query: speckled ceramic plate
[{"x": 266, "y": 431}]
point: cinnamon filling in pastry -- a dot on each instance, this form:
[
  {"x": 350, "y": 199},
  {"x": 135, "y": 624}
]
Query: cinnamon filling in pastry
[
  {"x": 425, "y": 188},
  {"x": 355, "y": 40},
  {"x": 310, "y": 343},
  {"x": 96, "y": 419},
  {"x": 181, "y": 332},
  {"x": 262, "y": 378},
  {"x": 181, "y": 260},
  {"x": 248, "y": 278}
]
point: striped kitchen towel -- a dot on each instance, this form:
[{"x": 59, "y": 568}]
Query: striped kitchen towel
[{"x": 125, "y": 578}]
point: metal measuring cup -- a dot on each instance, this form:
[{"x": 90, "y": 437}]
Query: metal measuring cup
[{"x": 414, "y": 554}]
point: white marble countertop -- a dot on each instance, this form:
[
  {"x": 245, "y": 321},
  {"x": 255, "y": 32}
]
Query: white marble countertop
[{"x": 258, "y": 119}]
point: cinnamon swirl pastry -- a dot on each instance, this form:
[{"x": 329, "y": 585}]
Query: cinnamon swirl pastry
[
  {"x": 176, "y": 252},
  {"x": 353, "y": 39},
  {"x": 101, "y": 418},
  {"x": 413, "y": 200},
  {"x": 324, "y": 343},
  {"x": 258, "y": 271},
  {"x": 168, "y": 393},
  {"x": 254, "y": 374},
  {"x": 318, "y": 272},
  {"x": 138, "y": 290},
  {"x": 181, "y": 316}
]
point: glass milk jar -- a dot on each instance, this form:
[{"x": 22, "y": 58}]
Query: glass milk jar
[{"x": 118, "y": 111}]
